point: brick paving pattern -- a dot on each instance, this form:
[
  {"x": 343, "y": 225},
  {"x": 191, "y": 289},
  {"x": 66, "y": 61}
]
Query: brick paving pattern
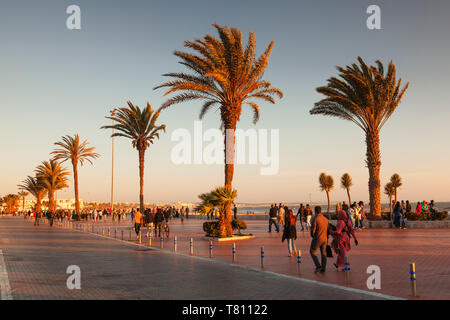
[{"x": 37, "y": 258}]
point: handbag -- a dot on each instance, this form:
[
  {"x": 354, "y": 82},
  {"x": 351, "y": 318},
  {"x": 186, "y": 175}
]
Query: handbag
[{"x": 329, "y": 252}]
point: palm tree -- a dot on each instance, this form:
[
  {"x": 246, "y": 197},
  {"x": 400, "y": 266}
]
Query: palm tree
[
  {"x": 35, "y": 187},
  {"x": 389, "y": 190},
  {"x": 346, "y": 183},
  {"x": 226, "y": 75},
  {"x": 368, "y": 97},
  {"x": 23, "y": 194},
  {"x": 326, "y": 184},
  {"x": 396, "y": 181},
  {"x": 11, "y": 201},
  {"x": 53, "y": 177},
  {"x": 139, "y": 126},
  {"x": 76, "y": 152}
]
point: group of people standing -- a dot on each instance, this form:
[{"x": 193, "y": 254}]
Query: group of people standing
[{"x": 320, "y": 230}]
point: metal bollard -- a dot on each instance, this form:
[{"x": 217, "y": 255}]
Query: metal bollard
[
  {"x": 140, "y": 240},
  {"x": 175, "y": 244},
  {"x": 412, "y": 272},
  {"x": 210, "y": 248},
  {"x": 347, "y": 269},
  {"x": 191, "y": 246},
  {"x": 115, "y": 233},
  {"x": 130, "y": 235},
  {"x": 109, "y": 232},
  {"x": 161, "y": 242},
  {"x": 103, "y": 231},
  {"x": 122, "y": 234},
  {"x": 299, "y": 262},
  {"x": 234, "y": 252},
  {"x": 150, "y": 241},
  {"x": 262, "y": 257}
]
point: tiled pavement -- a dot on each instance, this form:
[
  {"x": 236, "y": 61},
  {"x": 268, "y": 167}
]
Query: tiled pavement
[{"x": 37, "y": 257}]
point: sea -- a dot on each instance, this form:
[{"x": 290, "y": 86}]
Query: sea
[{"x": 263, "y": 208}]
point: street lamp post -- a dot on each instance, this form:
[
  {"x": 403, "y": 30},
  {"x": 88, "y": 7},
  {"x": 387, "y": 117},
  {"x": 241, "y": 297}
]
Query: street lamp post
[{"x": 113, "y": 112}]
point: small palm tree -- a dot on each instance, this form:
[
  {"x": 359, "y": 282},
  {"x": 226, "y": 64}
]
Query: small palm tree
[
  {"x": 346, "y": 183},
  {"x": 11, "y": 201},
  {"x": 139, "y": 126},
  {"x": 35, "y": 187},
  {"x": 23, "y": 194},
  {"x": 220, "y": 198},
  {"x": 76, "y": 152},
  {"x": 367, "y": 96},
  {"x": 326, "y": 184},
  {"x": 53, "y": 177},
  {"x": 227, "y": 75},
  {"x": 389, "y": 190},
  {"x": 396, "y": 181}
]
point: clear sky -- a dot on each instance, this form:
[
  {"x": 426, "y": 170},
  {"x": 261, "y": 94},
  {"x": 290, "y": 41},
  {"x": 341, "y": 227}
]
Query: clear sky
[{"x": 55, "y": 81}]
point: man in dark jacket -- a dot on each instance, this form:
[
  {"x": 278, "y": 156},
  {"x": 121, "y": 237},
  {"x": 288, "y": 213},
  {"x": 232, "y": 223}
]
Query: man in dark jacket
[
  {"x": 301, "y": 215},
  {"x": 319, "y": 234},
  {"x": 273, "y": 218},
  {"x": 159, "y": 218}
]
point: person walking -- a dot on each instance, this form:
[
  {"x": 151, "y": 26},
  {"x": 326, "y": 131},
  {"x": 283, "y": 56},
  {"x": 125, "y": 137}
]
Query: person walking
[
  {"x": 341, "y": 237},
  {"x": 398, "y": 212},
  {"x": 301, "y": 215},
  {"x": 361, "y": 214},
  {"x": 308, "y": 212},
  {"x": 319, "y": 234},
  {"x": 235, "y": 211},
  {"x": 36, "y": 218},
  {"x": 137, "y": 222},
  {"x": 290, "y": 232},
  {"x": 159, "y": 218},
  {"x": 281, "y": 214},
  {"x": 273, "y": 218}
]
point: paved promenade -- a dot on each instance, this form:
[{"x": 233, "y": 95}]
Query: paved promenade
[{"x": 36, "y": 258}]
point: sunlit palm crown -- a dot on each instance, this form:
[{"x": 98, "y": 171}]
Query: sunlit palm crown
[
  {"x": 22, "y": 193},
  {"x": 346, "y": 181},
  {"x": 223, "y": 74},
  {"x": 72, "y": 149},
  {"x": 364, "y": 94},
  {"x": 33, "y": 186},
  {"x": 326, "y": 182},
  {"x": 137, "y": 125},
  {"x": 396, "y": 180},
  {"x": 52, "y": 175},
  {"x": 389, "y": 189}
]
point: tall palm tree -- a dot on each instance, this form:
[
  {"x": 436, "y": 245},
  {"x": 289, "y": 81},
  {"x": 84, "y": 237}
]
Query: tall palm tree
[
  {"x": 389, "y": 190},
  {"x": 23, "y": 194},
  {"x": 346, "y": 183},
  {"x": 53, "y": 177},
  {"x": 139, "y": 126},
  {"x": 367, "y": 96},
  {"x": 35, "y": 187},
  {"x": 76, "y": 152},
  {"x": 225, "y": 75},
  {"x": 396, "y": 181},
  {"x": 326, "y": 184}
]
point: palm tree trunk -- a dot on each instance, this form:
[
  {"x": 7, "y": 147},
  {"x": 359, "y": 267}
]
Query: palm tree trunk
[
  {"x": 225, "y": 229},
  {"x": 141, "y": 178},
  {"x": 395, "y": 194},
  {"x": 390, "y": 206},
  {"x": 75, "y": 179},
  {"x": 23, "y": 204},
  {"x": 329, "y": 205},
  {"x": 374, "y": 164},
  {"x": 51, "y": 201},
  {"x": 349, "y": 199}
]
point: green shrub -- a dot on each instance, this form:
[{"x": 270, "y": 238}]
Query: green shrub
[
  {"x": 439, "y": 215},
  {"x": 238, "y": 224},
  {"x": 211, "y": 228}
]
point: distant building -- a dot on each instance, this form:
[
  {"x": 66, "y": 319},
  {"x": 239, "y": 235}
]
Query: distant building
[{"x": 64, "y": 204}]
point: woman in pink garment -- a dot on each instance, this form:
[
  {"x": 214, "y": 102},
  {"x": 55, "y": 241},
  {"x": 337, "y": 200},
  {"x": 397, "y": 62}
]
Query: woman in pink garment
[{"x": 341, "y": 236}]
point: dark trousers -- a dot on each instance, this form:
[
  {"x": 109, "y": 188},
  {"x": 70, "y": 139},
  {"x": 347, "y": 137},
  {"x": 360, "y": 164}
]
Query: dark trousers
[
  {"x": 273, "y": 221},
  {"x": 315, "y": 245},
  {"x": 137, "y": 228},
  {"x": 158, "y": 228}
]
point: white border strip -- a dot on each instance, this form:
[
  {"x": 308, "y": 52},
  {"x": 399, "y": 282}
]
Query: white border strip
[{"x": 5, "y": 288}]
